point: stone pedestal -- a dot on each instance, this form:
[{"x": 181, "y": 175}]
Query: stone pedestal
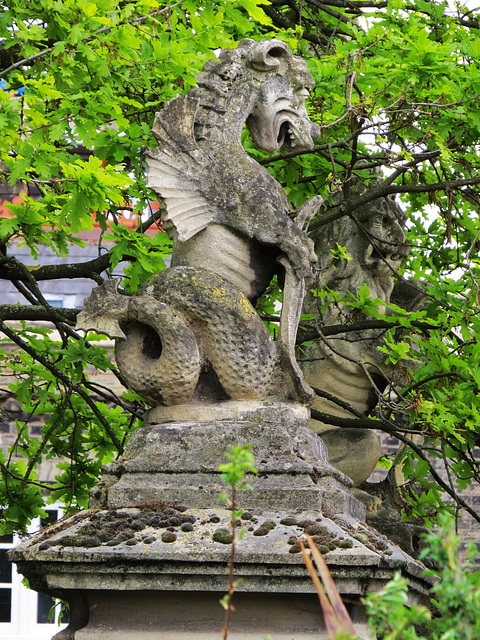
[
  {"x": 171, "y": 590},
  {"x": 150, "y": 559},
  {"x": 178, "y": 462}
]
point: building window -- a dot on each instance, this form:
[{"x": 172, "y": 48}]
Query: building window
[
  {"x": 6, "y": 586},
  {"x": 24, "y": 613},
  {"x": 44, "y": 608},
  {"x": 55, "y": 302}
]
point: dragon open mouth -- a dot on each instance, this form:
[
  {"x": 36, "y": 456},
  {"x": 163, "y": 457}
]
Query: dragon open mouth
[{"x": 286, "y": 136}]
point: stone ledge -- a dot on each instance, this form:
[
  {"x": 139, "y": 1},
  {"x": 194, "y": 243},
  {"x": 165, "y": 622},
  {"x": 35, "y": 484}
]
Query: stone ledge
[{"x": 195, "y": 561}]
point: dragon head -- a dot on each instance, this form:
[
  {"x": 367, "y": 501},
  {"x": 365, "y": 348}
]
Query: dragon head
[
  {"x": 279, "y": 117},
  {"x": 262, "y": 84}
]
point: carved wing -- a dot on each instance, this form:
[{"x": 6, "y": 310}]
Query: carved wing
[{"x": 177, "y": 168}]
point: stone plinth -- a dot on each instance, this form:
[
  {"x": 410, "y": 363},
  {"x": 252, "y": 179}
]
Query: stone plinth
[
  {"x": 142, "y": 565},
  {"x": 156, "y": 589},
  {"x": 179, "y": 462}
]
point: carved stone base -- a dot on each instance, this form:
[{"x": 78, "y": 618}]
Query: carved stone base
[
  {"x": 147, "y": 588},
  {"x": 140, "y": 566},
  {"x": 178, "y": 462}
]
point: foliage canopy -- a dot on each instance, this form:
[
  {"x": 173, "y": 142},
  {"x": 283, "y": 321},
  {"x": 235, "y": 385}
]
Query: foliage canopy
[{"x": 397, "y": 88}]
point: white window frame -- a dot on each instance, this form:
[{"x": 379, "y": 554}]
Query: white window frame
[
  {"x": 66, "y": 299},
  {"x": 24, "y": 625}
]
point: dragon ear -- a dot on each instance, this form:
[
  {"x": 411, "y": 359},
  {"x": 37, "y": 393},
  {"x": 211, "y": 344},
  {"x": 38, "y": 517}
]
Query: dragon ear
[{"x": 271, "y": 55}]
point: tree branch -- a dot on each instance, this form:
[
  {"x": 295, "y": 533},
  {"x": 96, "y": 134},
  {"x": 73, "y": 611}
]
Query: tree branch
[
  {"x": 36, "y": 312},
  {"x": 362, "y": 422},
  {"x": 12, "y": 269},
  {"x": 322, "y": 147},
  {"x": 34, "y": 459},
  {"x": 355, "y": 4},
  {"x": 280, "y": 20},
  {"x": 335, "y": 14},
  {"x": 384, "y": 190},
  {"x": 362, "y": 325},
  {"x": 371, "y": 423},
  {"x": 65, "y": 379},
  {"x": 341, "y": 403}
]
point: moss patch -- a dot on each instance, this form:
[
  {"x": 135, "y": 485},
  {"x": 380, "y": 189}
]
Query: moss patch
[
  {"x": 113, "y": 527},
  {"x": 224, "y": 536}
]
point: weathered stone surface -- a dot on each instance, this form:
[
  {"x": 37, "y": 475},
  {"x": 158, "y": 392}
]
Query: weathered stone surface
[
  {"x": 152, "y": 561},
  {"x": 375, "y": 242},
  {"x": 192, "y": 331},
  {"x": 179, "y": 462},
  {"x": 258, "y": 411},
  {"x": 190, "y": 572},
  {"x": 277, "y": 446}
]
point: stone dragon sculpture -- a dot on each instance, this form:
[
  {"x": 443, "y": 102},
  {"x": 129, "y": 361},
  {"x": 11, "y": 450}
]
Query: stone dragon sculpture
[
  {"x": 349, "y": 364},
  {"x": 232, "y": 230}
]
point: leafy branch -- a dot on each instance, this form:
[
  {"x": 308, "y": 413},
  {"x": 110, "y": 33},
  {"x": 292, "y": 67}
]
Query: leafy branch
[
  {"x": 45, "y": 52},
  {"x": 69, "y": 383}
]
